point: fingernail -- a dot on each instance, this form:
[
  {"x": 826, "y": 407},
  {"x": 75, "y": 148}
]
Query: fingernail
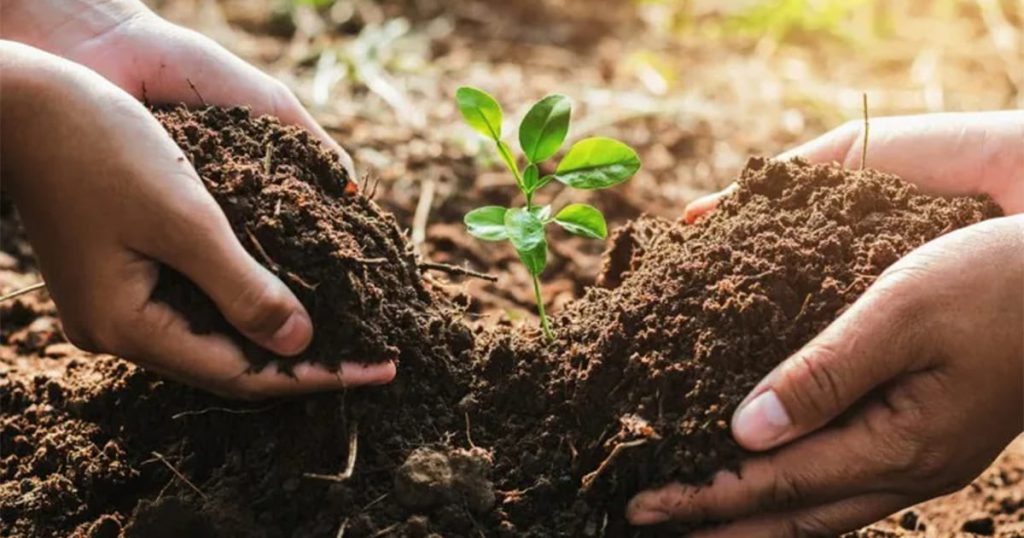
[
  {"x": 293, "y": 335},
  {"x": 762, "y": 422}
]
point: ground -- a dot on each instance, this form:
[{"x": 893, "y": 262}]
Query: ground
[{"x": 695, "y": 87}]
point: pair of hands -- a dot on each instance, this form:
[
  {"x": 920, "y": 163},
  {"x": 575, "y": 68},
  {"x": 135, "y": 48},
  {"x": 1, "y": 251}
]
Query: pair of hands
[
  {"x": 926, "y": 369},
  {"x": 931, "y": 355},
  {"x": 106, "y": 195}
]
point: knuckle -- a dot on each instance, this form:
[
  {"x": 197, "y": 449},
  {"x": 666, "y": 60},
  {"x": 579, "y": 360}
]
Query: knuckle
[
  {"x": 260, "y": 308},
  {"x": 782, "y": 494},
  {"x": 818, "y": 390}
]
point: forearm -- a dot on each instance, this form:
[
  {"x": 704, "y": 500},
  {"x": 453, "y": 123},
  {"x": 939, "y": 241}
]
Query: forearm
[{"x": 59, "y": 25}]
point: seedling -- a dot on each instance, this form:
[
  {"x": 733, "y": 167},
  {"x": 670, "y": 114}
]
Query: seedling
[{"x": 590, "y": 164}]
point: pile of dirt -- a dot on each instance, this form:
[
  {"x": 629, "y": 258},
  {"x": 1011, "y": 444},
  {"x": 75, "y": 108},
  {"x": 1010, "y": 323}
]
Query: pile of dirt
[
  {"x": 293, "y": 206},
  {"x": 639, "y": 386},
  {"x": 490, "y": 433}
]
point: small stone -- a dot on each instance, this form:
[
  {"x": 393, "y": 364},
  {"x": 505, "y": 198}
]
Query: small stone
[
  {"x": 981, "y": 524},
  {"x": 424, "y": 480}
]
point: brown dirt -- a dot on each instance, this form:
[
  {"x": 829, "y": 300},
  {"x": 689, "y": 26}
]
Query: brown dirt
[
  {"x": 290, "y": 202},
  {"x": 491, "y": 441}
]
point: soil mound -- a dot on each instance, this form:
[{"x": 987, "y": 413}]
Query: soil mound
[
  {"x": 640, "y": 385},
  {"x": 294, "y": 208},
  {"x": 498, "y": 433}
]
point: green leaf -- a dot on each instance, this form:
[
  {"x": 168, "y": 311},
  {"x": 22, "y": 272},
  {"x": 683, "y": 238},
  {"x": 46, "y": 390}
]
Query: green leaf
[
  {"x": 582, "y": 219},
  {"x": 597, "y": 163},
  {"x": 541, "y": 212},
  {"x": 481, "y": 111},
  {"x": 531, "y": 177},
  {"x": 526, "y": 232},
  {"x": 487, "y": 223},
  {"x": 524, "y": 229},
  {"x": 536, "y": 258},
  {"x": 544, "y": 127}
]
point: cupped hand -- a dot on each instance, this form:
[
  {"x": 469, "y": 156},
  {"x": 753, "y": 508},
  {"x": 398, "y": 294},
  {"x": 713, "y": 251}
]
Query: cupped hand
[
  {"x": 154, "y": 60},
  {"x": 916, "y": 388},
  {"x": 106, "y": 196},
  {"x": 950, "y": 154}
]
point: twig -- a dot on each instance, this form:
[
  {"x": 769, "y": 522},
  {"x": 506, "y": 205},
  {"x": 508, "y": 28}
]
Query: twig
[
  {"x": 456, "y": 270},
  {"x": 367, "y": 261},
  {"x": 145, "y": 96},
  {"x": 178, "y": 474},
  {"x": 259, "y": 249},
  {"x": 299, "y": 281},
  {"x": 867, "y": 126},
  {"x": 589, "y": 478},
  {"x": 350, "y": 463},
  {"x": 18, "y": 293},
  {"x": 196, "y": 91},
  {"x": 468, "y": 436},
  {"x": 199, "y": 412},
  {"x": 267, "y": 161},
  {"x": 386, "y": 530},
  {"x": 419, "y": 219},
  {"x": 341, "y": 529}
]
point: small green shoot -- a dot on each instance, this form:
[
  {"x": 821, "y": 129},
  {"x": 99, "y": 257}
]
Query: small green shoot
[{"x": 592, "y": 163}]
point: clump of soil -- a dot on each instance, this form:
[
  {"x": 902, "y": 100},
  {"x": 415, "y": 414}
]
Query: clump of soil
[
  {"x": 293, "y": 206},
  {"x": 640, "y": 385},
  {"x": 497, "y": 433}
]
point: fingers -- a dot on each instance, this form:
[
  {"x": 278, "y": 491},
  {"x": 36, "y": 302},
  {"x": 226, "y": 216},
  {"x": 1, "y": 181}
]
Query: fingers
[
  {"x": 829, "y": 466},
  {"x": 872, "y": 342},
  {"x": 158, "y": 338},
  {"x": 990, "y": 155},
  {"x": 195, "y": 70},
  {"x": 705, "y": 204},
  {"x": 194, "y": 238},
  {"x": 828, "y": 520}
]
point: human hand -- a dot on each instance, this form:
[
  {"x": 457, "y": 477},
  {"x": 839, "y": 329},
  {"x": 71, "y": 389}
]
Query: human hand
[
  {"x": 908, "y": 395},
  {"x": 950, "y": 154},
  {"x": 153, "y": 59},
  {"x": 106, "y": 196}
]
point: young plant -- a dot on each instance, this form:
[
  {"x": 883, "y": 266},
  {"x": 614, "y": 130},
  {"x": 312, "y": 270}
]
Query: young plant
[{"x": 592, "y": 163}]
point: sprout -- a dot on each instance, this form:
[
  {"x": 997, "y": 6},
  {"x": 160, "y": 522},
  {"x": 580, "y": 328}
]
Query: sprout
[{"x": 590, "y": 164}]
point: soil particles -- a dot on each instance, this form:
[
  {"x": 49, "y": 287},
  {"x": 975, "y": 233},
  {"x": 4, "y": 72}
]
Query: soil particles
[{"x": 489, "y": 429}]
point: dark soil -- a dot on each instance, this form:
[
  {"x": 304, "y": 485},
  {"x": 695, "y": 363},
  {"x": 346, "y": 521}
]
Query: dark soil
[
  {"x": 293, "y": 206},
  {"x": 494, "y": 433}
]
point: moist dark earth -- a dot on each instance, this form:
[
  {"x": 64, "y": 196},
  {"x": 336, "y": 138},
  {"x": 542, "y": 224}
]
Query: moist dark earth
[{"x": 489, "y": 430}]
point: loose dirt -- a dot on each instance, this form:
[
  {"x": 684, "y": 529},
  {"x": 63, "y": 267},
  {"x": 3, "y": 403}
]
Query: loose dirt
[
  {"x": 489, "y": 430},
  {"x": 292, "y": 205}
]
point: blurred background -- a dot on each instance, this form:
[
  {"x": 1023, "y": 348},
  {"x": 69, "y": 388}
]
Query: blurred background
[{"x": 696, "y": 86}]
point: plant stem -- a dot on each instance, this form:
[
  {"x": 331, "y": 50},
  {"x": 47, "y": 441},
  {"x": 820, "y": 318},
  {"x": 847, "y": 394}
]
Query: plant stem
[{"x": 540, "y": 309}]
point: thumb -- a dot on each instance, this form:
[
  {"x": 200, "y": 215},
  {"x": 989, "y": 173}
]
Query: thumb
[
  {"x": 872, "y": 342},
  {"x": 250, "y": 297}
]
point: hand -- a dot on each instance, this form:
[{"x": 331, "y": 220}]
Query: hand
[
  {"x": 101, "y": 219},
  {"x": 951, "y": 154},
  {"x": 914, "y": 390},
  {"x": 153, "y": 59}
]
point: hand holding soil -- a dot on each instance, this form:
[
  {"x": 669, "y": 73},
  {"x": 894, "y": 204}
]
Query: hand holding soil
[
  {"x": 948, "y": 154},
  {"x": 154, "y": 60},
  {"x": 107, "y": 196},
  {"x": 913, "y": 390}
]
